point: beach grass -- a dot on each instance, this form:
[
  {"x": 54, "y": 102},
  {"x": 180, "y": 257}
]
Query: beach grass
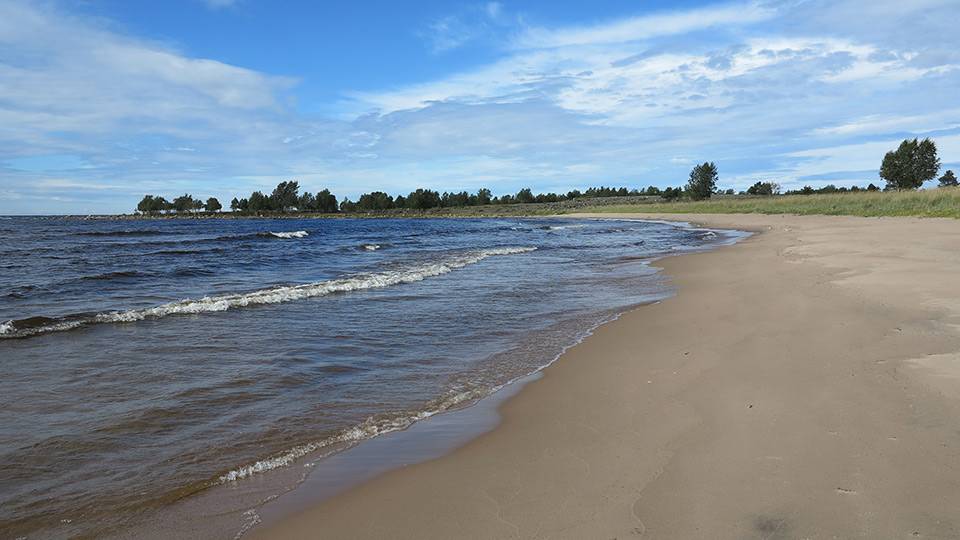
[{"x": 938, "y": 202}]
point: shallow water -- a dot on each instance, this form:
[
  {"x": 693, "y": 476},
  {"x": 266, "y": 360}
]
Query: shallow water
[{"x": 142, "y": 361}]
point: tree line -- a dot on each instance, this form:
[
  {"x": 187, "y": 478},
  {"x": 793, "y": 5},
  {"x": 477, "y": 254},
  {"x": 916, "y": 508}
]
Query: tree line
[
  {"x": 286, "y": 197},
  {"x": 908, "y": 167},
  {"x": 182, "y": 204}
]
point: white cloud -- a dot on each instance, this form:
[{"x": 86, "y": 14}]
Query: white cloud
[
  {"x": 65, "y": 75},
  {"x": 776, "y": 91},
  {"x": 646, "y": 27},
  {"x": 879, "y": 124}
]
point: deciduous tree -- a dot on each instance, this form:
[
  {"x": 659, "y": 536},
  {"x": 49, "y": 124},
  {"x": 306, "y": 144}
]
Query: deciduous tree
[
  {"x": 910, "y": 165},
  {"x": 703, "y": 181},
  {"x": 948, "y": 179},
  {"x": 326, "y": 202},
  {"x": 284, "y": 196},
  {"x": 183, "y": 203}
]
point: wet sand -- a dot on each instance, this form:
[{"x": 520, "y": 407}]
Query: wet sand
[{"x": 804, "y": 383}]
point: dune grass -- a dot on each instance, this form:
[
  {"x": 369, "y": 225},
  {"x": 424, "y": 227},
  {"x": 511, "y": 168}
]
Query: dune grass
[{"x": 938, "y": 202}]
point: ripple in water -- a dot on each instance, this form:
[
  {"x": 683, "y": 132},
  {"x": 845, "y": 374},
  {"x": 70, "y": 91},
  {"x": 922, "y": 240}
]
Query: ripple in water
[{"x": 179, "y": 371}]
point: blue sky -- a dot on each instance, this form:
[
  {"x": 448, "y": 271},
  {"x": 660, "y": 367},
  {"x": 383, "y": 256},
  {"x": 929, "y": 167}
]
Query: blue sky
[{"x": 103, "y": 101}]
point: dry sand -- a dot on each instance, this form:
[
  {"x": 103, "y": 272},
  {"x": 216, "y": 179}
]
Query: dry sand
[{"x": 804, "y": 383}]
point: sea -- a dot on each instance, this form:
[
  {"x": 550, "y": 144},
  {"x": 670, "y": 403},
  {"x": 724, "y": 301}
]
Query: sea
[{"x": 149, "y": 363}]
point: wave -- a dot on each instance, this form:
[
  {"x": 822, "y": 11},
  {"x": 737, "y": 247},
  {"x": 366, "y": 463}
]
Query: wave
[
  {"x": 109, "y": 276},
  {"x": 192, "y": 272},
  {"x": 563, "y": 227},
  {"x": 285, "y": 235},
  {"x": 370, "y": 247},
  {"x": 40, "y": 325},
  {"x": 375, "y": 426},
  {"x": 192, "y": 252},
  {"x": 127, "y": 233},
  {"x": 372, "y": 427}
]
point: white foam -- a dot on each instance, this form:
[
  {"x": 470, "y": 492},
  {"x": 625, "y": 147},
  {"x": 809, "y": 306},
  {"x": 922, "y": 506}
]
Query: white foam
[
  {"x": 274, "y": 295},
  {"x": 294, "y": 234},
  {"x": 370, "y": 428},
  {"x": 371, "y": 247}
]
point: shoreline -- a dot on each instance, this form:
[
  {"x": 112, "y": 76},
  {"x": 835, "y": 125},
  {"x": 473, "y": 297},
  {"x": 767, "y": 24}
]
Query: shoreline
[
  {"x": 349, "y": 464},
  {"x": 807, "y": 392}
]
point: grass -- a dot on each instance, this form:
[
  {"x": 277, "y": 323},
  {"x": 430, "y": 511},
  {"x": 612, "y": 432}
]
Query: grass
[{"x": 939, "y": 202}]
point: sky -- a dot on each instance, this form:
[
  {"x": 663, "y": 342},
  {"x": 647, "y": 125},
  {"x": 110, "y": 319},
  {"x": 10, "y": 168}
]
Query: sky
[{"x": 105, "y": 101}]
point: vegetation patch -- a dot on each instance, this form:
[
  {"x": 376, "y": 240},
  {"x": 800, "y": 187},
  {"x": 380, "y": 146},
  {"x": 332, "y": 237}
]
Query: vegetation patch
[{"x": 937, "y": 202}]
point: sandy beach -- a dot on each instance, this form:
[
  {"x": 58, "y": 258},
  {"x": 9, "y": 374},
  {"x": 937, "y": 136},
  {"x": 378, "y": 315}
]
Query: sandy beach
[{"x": 804, "y": 383}]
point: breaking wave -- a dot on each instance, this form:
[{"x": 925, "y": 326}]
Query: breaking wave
[
  {"x": 292, "y": 234},
  {"x": 564, "y": 227},
  {"x": 40, "y": 325}
]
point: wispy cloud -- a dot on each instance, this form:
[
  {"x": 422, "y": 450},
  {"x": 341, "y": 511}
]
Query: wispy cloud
[
  {"x": 646, "y": 27},
  {"x": 220, "y": 4},
  {"x": 785, "y": 91},
  {"x": 742, "y": 85},
  {"x": 474, "y": 22},
  {"x": 893, "y": 123}
]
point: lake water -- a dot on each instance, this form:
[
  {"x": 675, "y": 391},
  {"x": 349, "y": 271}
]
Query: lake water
[{"x": 144, "y": 362}]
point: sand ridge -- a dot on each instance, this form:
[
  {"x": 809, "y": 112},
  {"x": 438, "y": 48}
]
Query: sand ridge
[{"x": 802, "y": 384}]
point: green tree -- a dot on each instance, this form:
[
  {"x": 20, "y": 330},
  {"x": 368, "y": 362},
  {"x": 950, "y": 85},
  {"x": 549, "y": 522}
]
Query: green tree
[
  {"x": 459, "y": 200},
  {"x": 147, "y": 205},
  {"x": 547, "y": 198},
  {"x": 524, "y": 196},
  {"x": 183, "y": 203},
  {"x": 764, "y": 188},
  {"x": 948, "y": 179},
  {"x": 307, "y": 202},
  {"x": 153, "y": 205},
  {"x": 327, "y": 202},
  {"x": 910, "y": 165},
  {"x": 258, "y": 203},
  {"x": 284, "y": 196},
  {"x": 213, "y": 205},
  {"x": 347, "y": 205},
  {"x": 671, "y": 194},
  {"x": 421, "y": 199},
  {"x": 235, "y": 204},
  {"x": 484, "y": 196},
  {"x": 376, "y": 200},
  {"x": 703, "y": 181}
]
